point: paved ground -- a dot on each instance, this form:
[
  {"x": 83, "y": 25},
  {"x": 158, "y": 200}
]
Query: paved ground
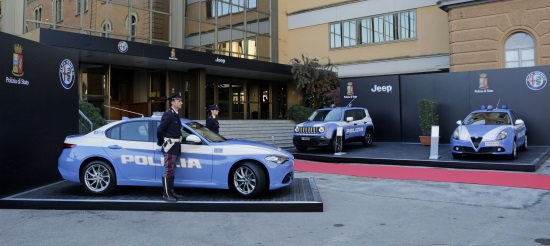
[{"x": 357, "y": 211}]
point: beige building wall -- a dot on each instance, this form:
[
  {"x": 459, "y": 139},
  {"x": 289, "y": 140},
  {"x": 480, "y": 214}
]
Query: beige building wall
[
  {"x": 432, "y": 39},
  {"x": 478, "y": 32}
]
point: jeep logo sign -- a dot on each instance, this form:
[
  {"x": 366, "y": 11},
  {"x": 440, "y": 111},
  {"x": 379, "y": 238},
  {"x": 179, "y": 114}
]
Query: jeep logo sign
[{"x": 385, "y": 88}]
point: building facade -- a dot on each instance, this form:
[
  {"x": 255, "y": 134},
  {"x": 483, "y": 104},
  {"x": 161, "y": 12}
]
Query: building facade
[
  {"x": 234, "y": 64},
  {"x": 498, "y": 34},
  {"x": 366, "y": 38}
]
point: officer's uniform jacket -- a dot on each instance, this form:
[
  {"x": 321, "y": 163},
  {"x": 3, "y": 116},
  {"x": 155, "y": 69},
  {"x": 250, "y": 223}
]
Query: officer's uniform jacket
[
  {"x": 213, "y": 124},
  {"x": 170, "y": 127}
]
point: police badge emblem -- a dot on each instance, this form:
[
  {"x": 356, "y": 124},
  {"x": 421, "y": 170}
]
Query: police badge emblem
[{"x": 17, "y": 61}]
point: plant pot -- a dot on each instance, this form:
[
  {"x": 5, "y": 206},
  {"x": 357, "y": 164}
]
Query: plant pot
[{"x": 425, "y": 140}]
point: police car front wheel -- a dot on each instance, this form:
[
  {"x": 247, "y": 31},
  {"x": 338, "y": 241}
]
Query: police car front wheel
[
  {"x": 98, "y": 177},
  {"x": 249, "y": 179}
]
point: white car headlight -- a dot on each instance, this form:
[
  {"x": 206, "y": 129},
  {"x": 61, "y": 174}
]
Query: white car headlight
[
  {"x": 296, "y": 129},
  {"x": 276, "y": 159},
  {"x": 502, "y": 135},
  {"x": 321, "y": 129},
  {"x": 455, "y": 134}
]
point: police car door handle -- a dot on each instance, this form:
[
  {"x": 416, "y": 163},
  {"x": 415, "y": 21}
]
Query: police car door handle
[{"x": 115, "y": 147}]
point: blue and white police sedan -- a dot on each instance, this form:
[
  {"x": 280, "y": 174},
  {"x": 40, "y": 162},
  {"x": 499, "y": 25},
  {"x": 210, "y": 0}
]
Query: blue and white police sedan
[
  {"x": 489, "y": 131},
  {"x": 124, "y": 153}
]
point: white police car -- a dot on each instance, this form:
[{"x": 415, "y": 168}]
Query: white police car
[
  {"x": 125, "y": 153},
  {"x": 489, "y": 131},
  {"x": 320, "y": 128}
]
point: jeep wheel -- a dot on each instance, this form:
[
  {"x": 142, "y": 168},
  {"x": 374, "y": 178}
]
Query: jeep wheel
[
  {"x": 337, "y": 144},
  {"x": 98, "y": 177},
  {"x": 367, "y": 139}
]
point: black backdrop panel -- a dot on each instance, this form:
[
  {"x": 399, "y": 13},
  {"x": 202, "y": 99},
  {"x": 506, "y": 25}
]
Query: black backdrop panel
[
  {"x": 450, "y": 90},
  {"x": 380, "y": 95},
  {"x": 37, "y": 111},
  {"x": 510, "y": 87}
]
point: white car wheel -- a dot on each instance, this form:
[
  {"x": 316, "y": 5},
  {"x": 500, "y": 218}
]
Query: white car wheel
[
  {"x": 98, "y": 177},
  {"x": 249, "y": 180}
]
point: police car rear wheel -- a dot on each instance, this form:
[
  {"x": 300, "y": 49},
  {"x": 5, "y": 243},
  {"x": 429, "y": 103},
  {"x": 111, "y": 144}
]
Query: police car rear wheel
[
  {"x": 98, "y": 177},
  {"x": 367, "y": 140},
  {"x": 248, "y": 179}
]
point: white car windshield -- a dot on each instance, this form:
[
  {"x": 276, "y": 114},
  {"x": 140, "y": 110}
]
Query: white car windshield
[
  {"x": 487, "y": 118},
  {"x": 204, "y": 132},
  {"x": 326, "y": 115}
]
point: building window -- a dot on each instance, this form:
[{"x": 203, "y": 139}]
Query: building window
[
  {"x": 376, "y": 29},
  {"x": 106, "y": 29},
  {"x": 133, "y": 26},
  {"x": 58, "y": 10},
  {"x": 78, "y": 6},
  {"x": 225, "y": 7},
  {"x": 335, "y": 35},
  {"x": 37, "y": 16},
  {"x": 520, "y": 51}
]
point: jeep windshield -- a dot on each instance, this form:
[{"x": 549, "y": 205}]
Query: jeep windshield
[{"x": 326, "y": 115}]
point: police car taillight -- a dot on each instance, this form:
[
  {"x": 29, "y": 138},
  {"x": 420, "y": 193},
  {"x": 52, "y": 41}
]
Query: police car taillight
[{"x": 68, "y": 146}]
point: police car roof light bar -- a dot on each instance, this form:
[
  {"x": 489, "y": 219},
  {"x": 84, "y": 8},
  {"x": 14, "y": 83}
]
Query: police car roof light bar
[{"x": 124, "y": 110}]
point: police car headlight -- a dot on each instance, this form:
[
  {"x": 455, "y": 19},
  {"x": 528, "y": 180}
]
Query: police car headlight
[
  {"x": 321, "y": 129},
  {"x": 276, "y": 159},
  {"x": 502, "y": 135},
  {"x": 296, "y": 129},
  {"x": 455, "y": 134}
]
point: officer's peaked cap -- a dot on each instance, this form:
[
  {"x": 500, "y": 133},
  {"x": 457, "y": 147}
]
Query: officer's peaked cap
[{"x": 175, "y": 96}]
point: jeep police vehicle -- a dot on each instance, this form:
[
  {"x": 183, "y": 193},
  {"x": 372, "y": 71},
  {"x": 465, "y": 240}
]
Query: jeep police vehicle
[
  {"x": 320, "y": 129},
  {"x": 125, "y": 153},
  {"x": 489, "y": 131}
]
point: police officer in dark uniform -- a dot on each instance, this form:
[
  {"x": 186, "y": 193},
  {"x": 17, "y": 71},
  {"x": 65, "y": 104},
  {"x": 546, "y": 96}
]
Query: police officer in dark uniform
[
  {"x": 169, "y": 137},
  {"x": 212, "y": 119}
]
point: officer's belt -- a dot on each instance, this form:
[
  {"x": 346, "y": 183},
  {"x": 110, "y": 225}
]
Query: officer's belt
[{"x": 168, "y": 143}]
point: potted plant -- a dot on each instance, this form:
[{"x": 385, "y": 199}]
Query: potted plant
[{"x": 427, "y": 110}]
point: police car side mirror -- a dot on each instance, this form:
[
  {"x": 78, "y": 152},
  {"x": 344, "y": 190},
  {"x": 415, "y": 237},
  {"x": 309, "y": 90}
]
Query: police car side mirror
[
  {"x": 459, "y": 122},
  {"x": 519, "y": 122},
  {"x": 193, "y": 139},
  {"x": 348, "y": 119}
]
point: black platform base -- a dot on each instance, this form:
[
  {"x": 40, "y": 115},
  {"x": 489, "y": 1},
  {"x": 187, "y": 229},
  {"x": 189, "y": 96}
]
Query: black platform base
[
  {"x": 417, "y": 155},
  {"x": 301, "y": 196}
]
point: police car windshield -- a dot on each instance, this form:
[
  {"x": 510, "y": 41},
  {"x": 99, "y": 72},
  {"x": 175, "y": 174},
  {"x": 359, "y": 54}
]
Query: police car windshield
[
  {"x": 326, "y": 115},
  {"x": 205, "y": 132},
  {"x": 487, "y": 118}
]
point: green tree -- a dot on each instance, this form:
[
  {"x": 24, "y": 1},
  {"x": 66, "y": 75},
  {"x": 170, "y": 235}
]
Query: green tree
[{"x": 315, "y": 80}]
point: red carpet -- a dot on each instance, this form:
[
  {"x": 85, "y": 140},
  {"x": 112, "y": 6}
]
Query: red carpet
[{"x": 510, "y": 179}]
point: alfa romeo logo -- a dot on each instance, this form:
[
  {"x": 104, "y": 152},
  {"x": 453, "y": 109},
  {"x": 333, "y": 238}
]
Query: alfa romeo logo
[
  {"x": 536, "y": 80},
  {"x": 67, "y": 74}
]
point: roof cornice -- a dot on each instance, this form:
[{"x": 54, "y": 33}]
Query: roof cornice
[{"x": 448, "y": 5}]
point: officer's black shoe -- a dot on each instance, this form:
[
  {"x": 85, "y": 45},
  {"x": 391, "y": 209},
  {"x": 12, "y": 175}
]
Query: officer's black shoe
[
  {"x": 174, "y": 194},
  {"x": 166, "y": 191}
]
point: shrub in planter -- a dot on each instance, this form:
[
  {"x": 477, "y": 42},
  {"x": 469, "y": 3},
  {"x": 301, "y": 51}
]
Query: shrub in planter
[{"x": 427, "y": 110}]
